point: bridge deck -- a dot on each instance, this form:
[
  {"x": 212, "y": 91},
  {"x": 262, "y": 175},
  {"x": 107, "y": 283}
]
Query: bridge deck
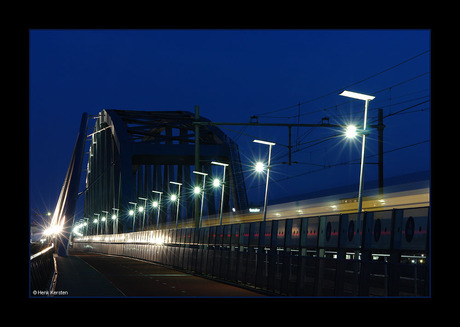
[{"x": 90, "y": 274}]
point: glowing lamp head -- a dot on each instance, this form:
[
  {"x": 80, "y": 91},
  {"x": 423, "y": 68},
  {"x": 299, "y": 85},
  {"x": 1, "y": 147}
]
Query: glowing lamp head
[
  {"x": 141, "y": 208},
  {"x": 216, "y": 182},
  {"x": 197, "y": 190},
  {"x": 155, "y": 204},
  {"x": 131, "y": 212},
  {"x": 114, "y": 217},
  {"x": 173, "y": 197},
  {"x": 260, "y": 167},
  {"x": 351, "y": 132}
]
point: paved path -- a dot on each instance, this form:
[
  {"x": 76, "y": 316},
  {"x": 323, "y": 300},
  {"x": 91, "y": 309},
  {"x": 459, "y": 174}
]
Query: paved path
[
  {"x": 91, "y": 274},
  {"x": 77, "y": 278}
]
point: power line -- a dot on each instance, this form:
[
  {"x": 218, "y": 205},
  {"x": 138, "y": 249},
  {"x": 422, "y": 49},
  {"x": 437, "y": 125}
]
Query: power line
[
  {"x": 330, "y": 137},
  {"x": 341, "y": 163},
  {"x": 355, "y": 83}
]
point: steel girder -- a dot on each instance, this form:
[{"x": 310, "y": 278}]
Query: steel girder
[
  {"x": 135, "y": 152},
  {"x": 64, "y": 213}
]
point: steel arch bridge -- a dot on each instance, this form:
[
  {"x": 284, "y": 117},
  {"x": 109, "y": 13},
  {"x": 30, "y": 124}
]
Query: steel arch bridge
[{"x": 133, "y": 153}]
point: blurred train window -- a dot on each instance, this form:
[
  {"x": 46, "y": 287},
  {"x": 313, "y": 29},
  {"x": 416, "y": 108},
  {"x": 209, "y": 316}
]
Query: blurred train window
[
  {"x": 377, "y": 229},
  {"x": 351, "y": 230},
  {"x": 409, "y": 230},
  {"x": 328, "y": 230}
]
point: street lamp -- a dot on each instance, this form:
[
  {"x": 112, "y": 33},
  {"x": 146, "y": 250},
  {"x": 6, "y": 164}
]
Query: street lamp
[
  {"x": 202, "y": 192},
  {"x": 366, "y": 99},
  {"x": 115, "y": 221},
  {"x": 216, "y": 183},
  {"x": 351, "y": 132},
  {"x": 178, "y": 200},
  {"x": 85, "y": 224},
  {"x": 156, "y": 204},
  {"x": 260, "y": 168},
  {"x": 141, "y": 209},
  {"x": 104, "y": 219},
  {"x": 97, "y": 221},
  {"x": 133, "y": 212}
]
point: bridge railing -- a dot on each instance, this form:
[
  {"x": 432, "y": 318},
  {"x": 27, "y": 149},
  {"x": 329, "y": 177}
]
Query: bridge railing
[
  {"x": 386, "y": 255},
  {"x": 42, "y": 270}
]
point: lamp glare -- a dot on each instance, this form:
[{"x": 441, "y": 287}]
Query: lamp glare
[
  {"x": 259, "y": 167},
  {"x": 351, "y": 132}
]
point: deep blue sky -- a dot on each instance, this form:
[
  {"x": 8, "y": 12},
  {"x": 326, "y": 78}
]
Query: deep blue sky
[{"x": 232, "y": 75}]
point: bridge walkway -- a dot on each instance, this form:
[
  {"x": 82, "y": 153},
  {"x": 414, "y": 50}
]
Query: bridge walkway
[{"x": 84, "y": 274}]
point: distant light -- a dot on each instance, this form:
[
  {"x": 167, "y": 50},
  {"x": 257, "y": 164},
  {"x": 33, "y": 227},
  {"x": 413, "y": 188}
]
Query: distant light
[
  {"x": 197, "y": 190},
  {"x": 52, "y": 230},
  {"x": 216, "y": 182},
  {"x": 254, "y": 209},
  {"x": 173, "y": 197},
  {"x": 48, "y": 213},
  {"x": 131, "y": 212},
  {"x": 141, "y": 208},
  {"x": 233, "y": 209},
  {"x": 155, "y": 204},
  {"x": 259, "y": 167},
  {"x": 351, "y": 131},
  {"x": 358, "y": 96}
]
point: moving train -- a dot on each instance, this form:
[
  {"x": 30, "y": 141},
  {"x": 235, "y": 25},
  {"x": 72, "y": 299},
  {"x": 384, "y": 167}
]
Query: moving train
[
  {"x": 409, "y": 195},
  {"x": 397, "y": 220}
]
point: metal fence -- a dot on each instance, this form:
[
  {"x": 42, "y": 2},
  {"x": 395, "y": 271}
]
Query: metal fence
[
  {"x": 42, "y": 270},
  {"x": 386, "y": 254}
]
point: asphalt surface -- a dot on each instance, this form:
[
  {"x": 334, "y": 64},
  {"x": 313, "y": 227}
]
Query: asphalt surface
[{"x": 91, "y": 274}]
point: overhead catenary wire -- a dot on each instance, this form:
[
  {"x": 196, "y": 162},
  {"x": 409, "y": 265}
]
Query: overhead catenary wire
[
  {"x": 355, "y": 83},
  {"x": 331, "y": 137},
  {"x": 323, "y": 167}
]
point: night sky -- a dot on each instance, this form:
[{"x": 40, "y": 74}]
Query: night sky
[{"x": 233, "y": 75}]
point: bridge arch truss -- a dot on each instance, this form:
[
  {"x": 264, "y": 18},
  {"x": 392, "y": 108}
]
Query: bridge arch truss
[{"x": 133, "y": 153}]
